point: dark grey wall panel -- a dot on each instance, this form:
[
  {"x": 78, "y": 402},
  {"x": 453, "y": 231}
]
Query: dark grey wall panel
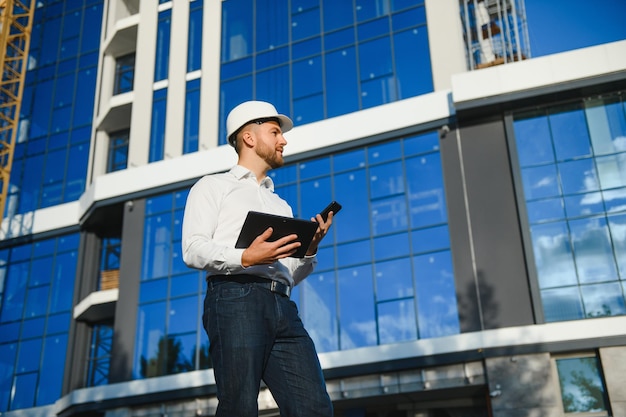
[
  {"x": 490, "y": 268},
  {"x": 126, "y": 309}
]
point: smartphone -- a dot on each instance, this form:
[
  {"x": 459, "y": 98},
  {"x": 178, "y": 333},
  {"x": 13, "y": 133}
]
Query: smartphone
[{"x": 333, "y": 206}]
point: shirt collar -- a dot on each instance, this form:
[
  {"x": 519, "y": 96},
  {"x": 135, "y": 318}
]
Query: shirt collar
[{"x": 241, "y": 172}]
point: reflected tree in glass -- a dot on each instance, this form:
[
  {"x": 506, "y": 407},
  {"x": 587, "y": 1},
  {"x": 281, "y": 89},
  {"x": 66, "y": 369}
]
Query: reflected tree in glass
[{"x": 581, "y": 386}]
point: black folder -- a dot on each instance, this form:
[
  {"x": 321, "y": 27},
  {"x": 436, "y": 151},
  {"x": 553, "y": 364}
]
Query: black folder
[{"x": 256, "y": 223}]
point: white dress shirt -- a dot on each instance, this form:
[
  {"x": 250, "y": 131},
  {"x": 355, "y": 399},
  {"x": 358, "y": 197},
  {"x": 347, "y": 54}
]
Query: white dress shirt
[{"x": 215, "y": 210}]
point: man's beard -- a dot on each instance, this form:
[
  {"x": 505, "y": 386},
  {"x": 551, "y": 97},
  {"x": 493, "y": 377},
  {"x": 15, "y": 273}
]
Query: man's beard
[{"x": 269, "y": 155}]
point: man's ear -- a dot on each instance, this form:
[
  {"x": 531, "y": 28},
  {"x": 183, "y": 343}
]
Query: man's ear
[{"x": 247, "y": 138}]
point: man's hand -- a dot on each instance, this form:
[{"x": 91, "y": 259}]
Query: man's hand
[
  {"x": 263, "y": 252},
  {"x": 321, "y": 231}
]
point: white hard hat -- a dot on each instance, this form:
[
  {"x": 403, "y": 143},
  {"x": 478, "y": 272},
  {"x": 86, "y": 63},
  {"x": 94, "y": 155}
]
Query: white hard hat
[{"x": 253, "y": 111}]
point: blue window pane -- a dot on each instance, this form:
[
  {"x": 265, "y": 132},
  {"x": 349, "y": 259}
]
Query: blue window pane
[
  {"x": 192, "y": 117},
  {"x": 305, "y": 24},
  {"x": 339, "y": 39},
  {"x": 424, "y": 143},
  {"x": 436, "y": 295},
  {"x": 52, "y": 373},
  {"x": 237, "y": 68},
  {"x": 354, "y": 253},
  {"x": 389, "y": 215},
  {"x": 163, "y": 45},
  {"x": 307, "y": 77},
  {"x": 284, "y": 175},
  {"x": 9, "y": 332},
  {"x": 349, "y": 160},
  {"x": 309, "y": 109},
  {"x": 427, "y": 200},
  {"x": 153, "y": 290},
  {"x": 314, "y": 196},
  {"x": 337, "y": 14},
  {"x": 64, "y": 91},
  {"x": 378, "y": 91},
  {"x": 157, "y": 128},
  {"x": 183, "y": 315},
  {"x": 373, "y": 29},
  {"x": 29, "y": 355},
  {"x": 181, "y": 353},
  {"x": 325, "y": 255},
  {"x": 540, "y": 182},
  {"x": 84, "y": 100},
  {"x": 553, "y": 255},
  {"x": 58, "y": 323},
  {"x": 396, "y": 321},
  {"x": 33, "y": 328},
  {"x": 271, "y": 30},
  {"x": 37, "y": 301},
  {"x": 273, "y": 86},
  {"x": 178, "y": 266},
  {"x": 186, "y": 284},
  {"x": 375, "y": 59},
  {"x": 431, "y": 239},
  {"x": 272, "y": 58},
  {"x": 578, "y": 176},
  {"x": 237, "y": 32},
  {"x": 550, "y": 209},
  {"x": 314, "y": 168},
  {"x": 582, "y": 389},
  {"x": 561, "y": 304},
  {"x": 414, "y": 76},
  {"x": 92, "y": 25},
  {"x": 40, "y": 271},
  {"x": 307, "y": 48},
  {"x": 570, "y": 133},
  {"x": 357, "y": 312},
  {"x": 369, "y": 9},
  {"x": 617, "y": 224},
  {"x": 393, "y": 279},
  {"x": 603, "y": 300},
  {"x": 615, "y": 200},
  {"x": 76, "y": 171},
  {"x": 409, "y": 18},
  {"x": 157, "y": 246},
  {"x": 355, "y": 225},
  {"x": 71, "y": 24},
  {"x": 24, "y": 388},
  {"x": 342, "y": 87},
  {"x": 386, "y": 152},
  {"x": 584, "y": 204},
  {"x": 386, "y": 180},
  {"x": 593, "y": 250},
  {"x": 318, "y": 310},
  {"x": 391, "y": 246},
  {"x": 150, "y": 338},
  {"x": 607, "y": 124},
  {"x": 159, "y": 204},
  {"x": 194, "y": 47},
  {"x": 64, "y": 274},
  {"x": 7, "y": 362},
  {"x": 534, "y": 144},
  {"x": 612, "y": 170}
]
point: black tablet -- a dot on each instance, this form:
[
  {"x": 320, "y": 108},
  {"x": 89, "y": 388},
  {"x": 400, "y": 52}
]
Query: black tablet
[{"x": 256, "y": 223}]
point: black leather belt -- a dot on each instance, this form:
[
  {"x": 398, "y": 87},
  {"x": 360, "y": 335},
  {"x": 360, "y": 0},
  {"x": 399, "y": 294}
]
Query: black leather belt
[{"x": 272, "y": 285}]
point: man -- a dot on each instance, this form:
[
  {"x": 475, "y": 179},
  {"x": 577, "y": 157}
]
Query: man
[{"x": 253, "y": 327}]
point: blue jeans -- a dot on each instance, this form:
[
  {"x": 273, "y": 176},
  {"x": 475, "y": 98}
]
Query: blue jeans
[{"x": 256, "y": 335}]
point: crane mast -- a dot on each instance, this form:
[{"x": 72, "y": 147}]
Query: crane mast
[{"x": 16, "y": 17}]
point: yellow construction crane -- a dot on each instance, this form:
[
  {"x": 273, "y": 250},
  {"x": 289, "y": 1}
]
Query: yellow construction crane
[{"x": 16, "y": 20}]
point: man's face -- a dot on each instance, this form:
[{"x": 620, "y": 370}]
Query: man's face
[{"x": 270, "y": 143}]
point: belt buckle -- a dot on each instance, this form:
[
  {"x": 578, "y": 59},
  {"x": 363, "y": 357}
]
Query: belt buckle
[{"x": 280, "y": 288}]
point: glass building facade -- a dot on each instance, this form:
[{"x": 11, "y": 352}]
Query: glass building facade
[{"x": 466, "y": 223}]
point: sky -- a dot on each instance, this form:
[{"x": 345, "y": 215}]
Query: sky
[{"x": 562, "y": 25}]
